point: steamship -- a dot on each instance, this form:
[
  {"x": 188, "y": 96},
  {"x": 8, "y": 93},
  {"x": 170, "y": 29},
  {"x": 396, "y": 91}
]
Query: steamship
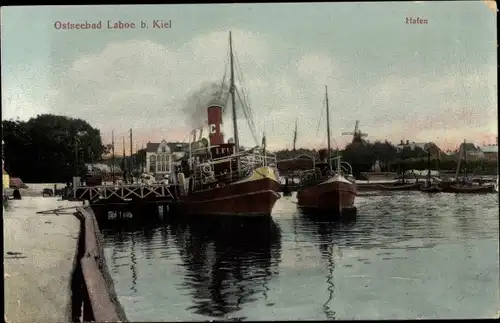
[
  {"x": 324, "y": 189},
  {"x": 219, "y": 178}
]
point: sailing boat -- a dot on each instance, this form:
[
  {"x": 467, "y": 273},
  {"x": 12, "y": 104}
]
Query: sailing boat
[
  {"x": 428, "y": 186},
  {"x": 465, "y": 187},
  {"x": 219, "y": 178},
  {"x": 322, "y": 189}
]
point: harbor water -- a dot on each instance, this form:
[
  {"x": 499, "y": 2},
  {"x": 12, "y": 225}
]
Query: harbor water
[{"x": 407, "y": 255}]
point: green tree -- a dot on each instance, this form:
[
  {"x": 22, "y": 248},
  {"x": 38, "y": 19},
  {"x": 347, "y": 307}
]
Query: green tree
[{"x": 50, "y": 148}]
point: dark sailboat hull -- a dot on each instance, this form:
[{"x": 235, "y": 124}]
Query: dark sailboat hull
[
  {"x": 401, "y": 187},
  {"x": 330, "y": 196},
  {"x": 246, "y": 198},
  {"x": 470, "y": 189},
  {"x": 431, "y": 189}
]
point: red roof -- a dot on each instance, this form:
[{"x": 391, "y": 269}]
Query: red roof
[{"x": 16, "y": 182}]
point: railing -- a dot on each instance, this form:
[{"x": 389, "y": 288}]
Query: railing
[
  {"x": 122, "y": 191},
  {"x": 315, "y": 175},
  {"x": 249, "y": 160},
  {"x": 348, "y": 171}
]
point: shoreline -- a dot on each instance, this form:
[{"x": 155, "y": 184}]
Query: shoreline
[
  {"x": 43, "y": 258},
  {"x": 38, "y": 261},
  {"x": 93, "y": 284}
]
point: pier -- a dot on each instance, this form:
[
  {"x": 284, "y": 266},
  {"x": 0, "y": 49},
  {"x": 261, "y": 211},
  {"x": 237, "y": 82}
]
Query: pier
[
  {"x": 39, "y": 260},
  {"x": 160, "y": 193},
  {"x": 144, "y": 202}
]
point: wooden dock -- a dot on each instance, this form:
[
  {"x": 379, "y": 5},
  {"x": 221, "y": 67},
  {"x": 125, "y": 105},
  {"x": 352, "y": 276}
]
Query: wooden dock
[{"x": 126, "y": 193}]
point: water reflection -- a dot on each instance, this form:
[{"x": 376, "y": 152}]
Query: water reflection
[
  {"x": 133, "y": 264},
  {"x": 229, "y": 262},
  {"x": 308, "y": 268},
  {"x": 329, "y": 233}
]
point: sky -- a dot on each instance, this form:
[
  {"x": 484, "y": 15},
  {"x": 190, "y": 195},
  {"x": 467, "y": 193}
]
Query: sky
[{"x": 419, "y": 82}]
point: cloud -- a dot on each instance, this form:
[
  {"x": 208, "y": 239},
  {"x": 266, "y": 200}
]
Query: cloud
[
  {"x": 416, "y": 106},
  {"x": 26, "y": 92},
  {"x": 159, "y": 91},
  {"x": 319, "y": 67},
  {"x": 144, "y": 84}
]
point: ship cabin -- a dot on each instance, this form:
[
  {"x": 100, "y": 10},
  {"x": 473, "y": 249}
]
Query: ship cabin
[
  {"x": 223, "y": 164},
  {"x": 314, "y": 172},
  {"x": 323, "y": 165},
  {"x": 213, "y": 166}
]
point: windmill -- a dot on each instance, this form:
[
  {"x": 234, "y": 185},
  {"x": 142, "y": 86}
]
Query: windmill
[{"x": 357, "y": 135}]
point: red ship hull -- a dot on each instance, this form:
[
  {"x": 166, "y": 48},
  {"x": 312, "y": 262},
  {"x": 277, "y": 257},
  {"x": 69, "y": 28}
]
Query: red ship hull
[
  {"x": 330, "y": 196},
  {"x": 251, "y": 198}
]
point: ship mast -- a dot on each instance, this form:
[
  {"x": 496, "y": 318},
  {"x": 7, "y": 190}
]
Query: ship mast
[
  {"x": 295, "y": 135},
  {"x": 328, "y": 129},
  {"x": 113, "y": 167},
  {"x": 233, "y": 103},
  {"x": 465, "y": 161}
]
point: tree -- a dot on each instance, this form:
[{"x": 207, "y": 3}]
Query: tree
[{"x": 50, "y": 148}]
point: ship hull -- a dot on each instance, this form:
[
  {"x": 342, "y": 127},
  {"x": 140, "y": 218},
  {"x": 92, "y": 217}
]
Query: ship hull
[
  {"x": 401, "y": 187},
  {"x": 332, "y": 196},
  {"x": 470, "y": 189},
  {"x": 248, "y": 198}
]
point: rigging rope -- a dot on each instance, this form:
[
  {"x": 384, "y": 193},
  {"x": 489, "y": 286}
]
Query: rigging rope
[
  {"x": 245, "y": 112},
  {"x": 245, "y": 102},
  {"x": 321, "y": 116},
  {"x": 245, "y": 97},
  {"x": 224, "y": 77}
]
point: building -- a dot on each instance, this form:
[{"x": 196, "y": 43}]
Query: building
[
  {"x": 5, "y": 179},
  {"x": 5, "y": 175},
  {"x": 490, "y": 152},
  {"x": 473, "y": 151},
  {"x": 160, "y": 158},
  {"x": 425, "y": 146}
]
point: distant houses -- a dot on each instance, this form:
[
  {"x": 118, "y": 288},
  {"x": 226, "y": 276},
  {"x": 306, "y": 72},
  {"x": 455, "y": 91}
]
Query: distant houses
[
  {"x": 474, "y": 152},
  {"x": 490, "y": 152},
  {"x": 431, "y": 147}
]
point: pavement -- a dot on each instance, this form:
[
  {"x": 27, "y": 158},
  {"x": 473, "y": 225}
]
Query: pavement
[{"x": 39, "y": 252}]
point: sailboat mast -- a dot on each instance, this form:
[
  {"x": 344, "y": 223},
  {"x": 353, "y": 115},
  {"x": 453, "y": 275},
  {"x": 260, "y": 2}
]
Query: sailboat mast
[
  {"x": 459, "y": 161},
  {"x": 295, "y": 135},
  {"x": 428, "y": 167},
  {"x": 124, "y": 162},
  {"x": 328, "y": 129},
  {"x": 233, "y": 102},
  {"x": 113, "y": 156},
  {"x": 465, "y": 161}
]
